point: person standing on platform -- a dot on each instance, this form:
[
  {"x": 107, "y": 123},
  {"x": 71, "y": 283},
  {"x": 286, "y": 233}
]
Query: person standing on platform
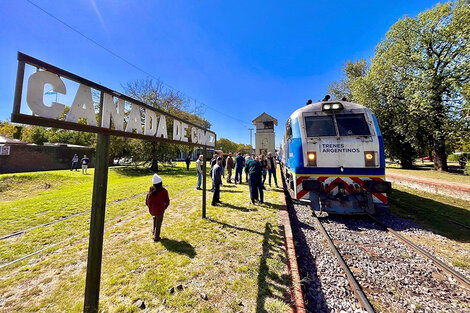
[
  {"x": 223, "y": 165},
  {"x": 253, "y": 168},
  {"x": 247, "y": 157},
  {"x": 230, "y": 166},
  {"x": 272, "y": 168},
  {"x": 217, "y": 179},
  {"x": 85, "y": 162},
  {"x": 199, "y": 165},
  {"x": 213, "y": 163},
  {"x": 157, "y": 201},
  {"x": 188, "y": 162},
  {"x": 264, "y": 164},
  {"x": 239, "y": 164},
  {"x": 75, "y": 163}
]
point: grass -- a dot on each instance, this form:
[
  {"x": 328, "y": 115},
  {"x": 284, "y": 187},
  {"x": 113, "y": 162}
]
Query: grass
[
  {"x": 236, "y": 256},
  {"x": 427, "y": 171},
  {"x": 434, "y": 212}
]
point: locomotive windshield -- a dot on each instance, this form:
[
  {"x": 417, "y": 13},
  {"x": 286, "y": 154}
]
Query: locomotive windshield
[
  {"x": 352, "y": 124},
  {"x": 320, "y": 126},
  {"x": 348, "y": 125}
]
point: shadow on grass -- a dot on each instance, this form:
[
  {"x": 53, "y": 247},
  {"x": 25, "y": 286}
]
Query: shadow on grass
[
  {"x": 233, "y": 226},
  {"x": 268, "y": 280},
  {"x": 240, "y": 208},
  {"x": 433, "y": 215},
  {"x": 132, "y": 171},
  {"x": 180, "y": 247},
  {"x": 231, "y": 191},
  {"x": 135, "y": 171}
]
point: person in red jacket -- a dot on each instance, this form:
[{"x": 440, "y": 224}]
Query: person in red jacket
[{"x": 157, "y": 201}]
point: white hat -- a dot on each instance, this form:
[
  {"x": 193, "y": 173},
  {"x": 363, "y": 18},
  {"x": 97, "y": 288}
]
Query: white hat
[{"x": 156, "y": 179}]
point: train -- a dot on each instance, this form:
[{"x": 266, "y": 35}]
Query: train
[{"x": 332, "y": 156}]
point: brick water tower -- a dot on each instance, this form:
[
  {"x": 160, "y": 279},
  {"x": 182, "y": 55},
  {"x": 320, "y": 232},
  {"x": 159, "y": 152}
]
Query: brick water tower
[{"x": 265, "y": 140}]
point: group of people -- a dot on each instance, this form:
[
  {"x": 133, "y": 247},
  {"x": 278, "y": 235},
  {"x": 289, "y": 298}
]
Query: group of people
[
  {"x": 84, "y": 161},
  {"x": 256, "y": 170}
]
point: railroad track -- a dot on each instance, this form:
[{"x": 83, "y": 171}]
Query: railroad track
[{"x": 357, "y": 290}]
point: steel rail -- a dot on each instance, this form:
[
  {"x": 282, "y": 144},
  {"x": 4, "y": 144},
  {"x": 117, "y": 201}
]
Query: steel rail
[
  {"x": 464, "y": 280},
  {"x": 360, "y": 295},
  {"x": 356, "y": 288}
]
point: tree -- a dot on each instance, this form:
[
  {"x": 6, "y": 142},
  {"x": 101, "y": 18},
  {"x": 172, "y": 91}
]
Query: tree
[
  {"x": 7, "y": 129},
  {"x": 154, "y": 94},
  {"x": 431, "y": 54},
  {"x": 351, "y": 71},
  {"x": 227, "y": 145},
  {"x": 419, "y": 80}
]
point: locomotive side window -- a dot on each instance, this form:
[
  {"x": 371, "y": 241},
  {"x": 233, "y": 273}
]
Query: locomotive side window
[
  {"x": 318, "y": 126},
  {"x": 288, "y": 129},
  {"x": 352, "y": 124}
]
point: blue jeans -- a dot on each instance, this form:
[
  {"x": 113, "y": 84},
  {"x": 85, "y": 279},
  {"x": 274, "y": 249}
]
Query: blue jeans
[
  {"x": 238, "y": 174},
  {"x": 272, "y": 171},
  {"x": 199, "y": 179}
]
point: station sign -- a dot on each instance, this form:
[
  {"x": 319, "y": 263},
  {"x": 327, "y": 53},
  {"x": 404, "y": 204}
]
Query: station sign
[{"x": 116, "y": 114}]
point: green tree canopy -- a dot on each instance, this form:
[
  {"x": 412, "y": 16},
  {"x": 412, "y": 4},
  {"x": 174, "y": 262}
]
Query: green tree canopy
[{"x": 418, "y": 83}]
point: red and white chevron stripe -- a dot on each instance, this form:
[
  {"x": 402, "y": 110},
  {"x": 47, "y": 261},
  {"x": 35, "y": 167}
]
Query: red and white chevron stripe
[{"x": 333, "y": 185}]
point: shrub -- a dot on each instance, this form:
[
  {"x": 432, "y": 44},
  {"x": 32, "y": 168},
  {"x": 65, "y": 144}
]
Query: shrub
[{"x": 466, "y": 170}]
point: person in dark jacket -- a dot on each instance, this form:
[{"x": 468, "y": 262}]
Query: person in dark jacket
[
  {"x": 188, "y": 162},
  {"x": 213, "y": 163},
  {"x": 264, "y": 165},
  {"x": 272, "y": 168},
  {"x": 217, "y": 179},
  {"x": 230, "y": 167},
  {"x": 157, "y": 201},
  {"x": 253, "y": 169},
  {"x": 239, "y": 164},
  {"x": 75, "y": 163}
]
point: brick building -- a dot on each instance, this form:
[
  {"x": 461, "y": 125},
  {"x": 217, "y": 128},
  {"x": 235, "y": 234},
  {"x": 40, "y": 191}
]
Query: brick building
[{"x": 18, "y": 156}]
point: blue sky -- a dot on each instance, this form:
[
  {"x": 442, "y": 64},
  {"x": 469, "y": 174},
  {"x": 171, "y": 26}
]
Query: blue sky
[{"x": 242, "y": 58}]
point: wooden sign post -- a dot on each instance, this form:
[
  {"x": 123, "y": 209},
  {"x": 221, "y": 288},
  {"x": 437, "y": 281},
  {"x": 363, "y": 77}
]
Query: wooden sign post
[{"x": 118, "y": 115}]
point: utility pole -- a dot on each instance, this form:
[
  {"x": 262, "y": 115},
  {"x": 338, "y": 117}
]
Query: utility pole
[{"x": 251, "y": 139}]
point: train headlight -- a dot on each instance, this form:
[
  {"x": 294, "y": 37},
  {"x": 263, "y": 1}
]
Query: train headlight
[
  {"x": 335, "y": 106},
  {"x": 369, "y": 158},
  {"x": 312, "y": 158}
]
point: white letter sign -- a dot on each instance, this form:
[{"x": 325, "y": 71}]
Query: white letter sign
[
  {"x": 82, "y": 107},
  {"x": 115, "y": 114},
  {"x": 34, "y": 97}
]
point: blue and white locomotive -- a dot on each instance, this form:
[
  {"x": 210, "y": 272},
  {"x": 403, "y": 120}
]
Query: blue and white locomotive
[{"x": 333, "y": 156}]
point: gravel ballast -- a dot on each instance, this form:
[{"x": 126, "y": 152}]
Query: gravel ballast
[{"x": 393, "y": 276}]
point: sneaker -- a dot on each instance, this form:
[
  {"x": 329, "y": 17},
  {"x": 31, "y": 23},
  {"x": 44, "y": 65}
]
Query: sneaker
[
  {"x": 198, "y": 188},
  {"x": 156, "y": 239}
]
